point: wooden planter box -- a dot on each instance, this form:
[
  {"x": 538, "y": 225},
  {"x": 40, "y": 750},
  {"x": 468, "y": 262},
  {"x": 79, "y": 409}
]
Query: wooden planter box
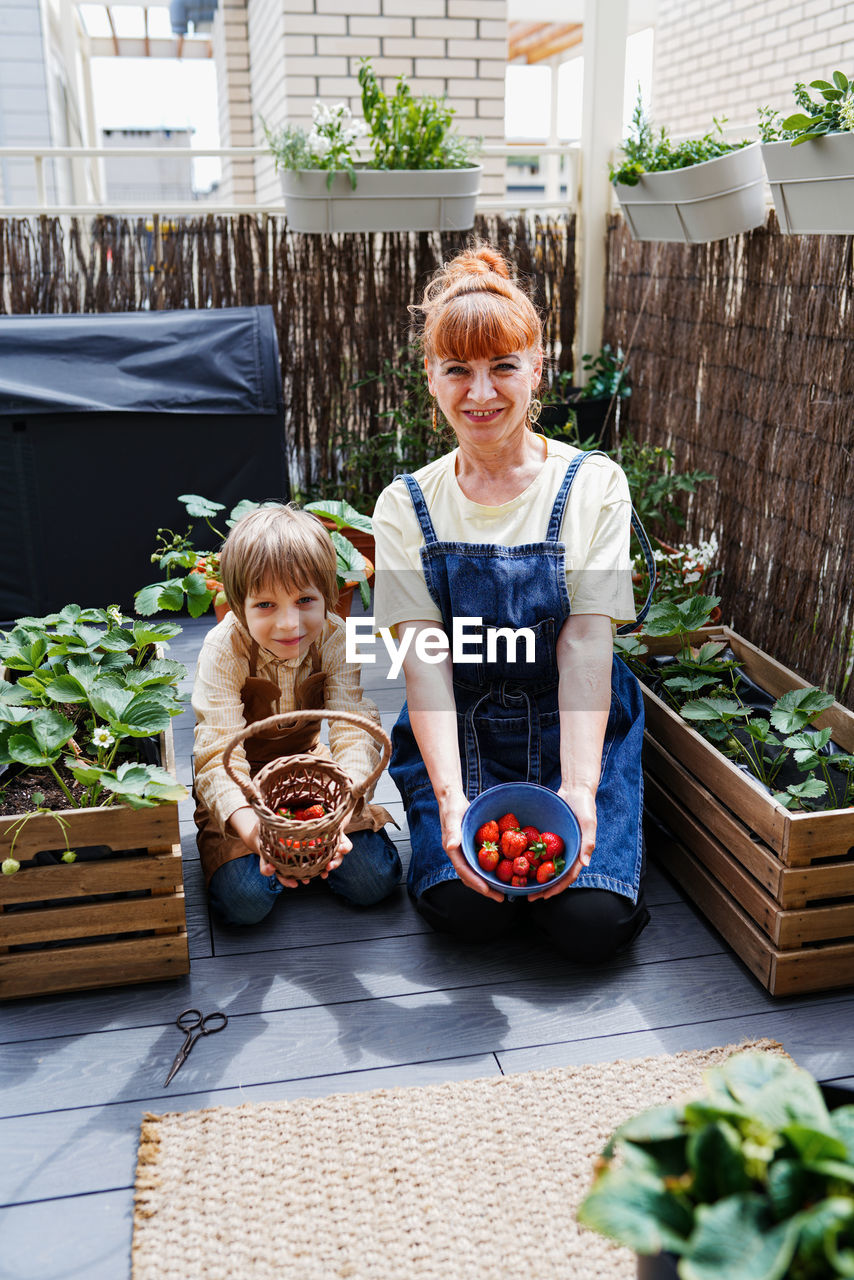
[
  {"x": 778, "y": 886},
  {"x": 103, "y": 923}
]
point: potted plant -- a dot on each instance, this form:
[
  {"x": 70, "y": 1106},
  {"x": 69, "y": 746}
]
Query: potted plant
[
  {"x": 199, "y": 586},
  {"x": 86, "y": 772},
  {"x": 423, "y": 175},
  {"x": 590, "y": 405},
  {"x": 693, "y": 191},
  {"x": 752, "y": 1181},
  {"x": 813, "y": 184},
  {"x": 750, "y": 770}
]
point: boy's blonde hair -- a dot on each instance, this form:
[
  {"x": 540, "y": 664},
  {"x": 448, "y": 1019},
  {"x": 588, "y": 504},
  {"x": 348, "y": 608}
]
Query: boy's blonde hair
[{"x": 278, "y": 546}]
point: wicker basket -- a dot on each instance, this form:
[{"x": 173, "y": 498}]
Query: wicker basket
[{"x": 294, "y": 782}]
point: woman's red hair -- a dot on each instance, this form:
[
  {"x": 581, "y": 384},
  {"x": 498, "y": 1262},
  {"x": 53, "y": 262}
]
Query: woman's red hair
[{"x": 473, "y": 310}]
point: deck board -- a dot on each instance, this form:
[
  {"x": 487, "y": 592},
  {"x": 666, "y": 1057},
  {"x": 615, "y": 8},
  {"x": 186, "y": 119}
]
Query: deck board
[{"x": 326, "y": 998}]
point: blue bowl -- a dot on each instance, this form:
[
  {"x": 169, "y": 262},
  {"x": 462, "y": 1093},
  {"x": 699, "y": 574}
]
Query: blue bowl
[{"x": 534, "y": 806}]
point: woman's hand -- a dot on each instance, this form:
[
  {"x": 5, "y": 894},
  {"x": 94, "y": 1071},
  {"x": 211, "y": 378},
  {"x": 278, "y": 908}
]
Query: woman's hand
[
  {"x": 582, "y": 802},
  {"x": 451, "y": 810}
]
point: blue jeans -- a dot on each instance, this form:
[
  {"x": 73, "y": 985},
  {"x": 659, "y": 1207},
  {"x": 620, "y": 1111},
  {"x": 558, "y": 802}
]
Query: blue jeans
[{"x": 241, "y": 895}]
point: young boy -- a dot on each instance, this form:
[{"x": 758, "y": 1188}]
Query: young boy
[{"x": 280, "y": 649}]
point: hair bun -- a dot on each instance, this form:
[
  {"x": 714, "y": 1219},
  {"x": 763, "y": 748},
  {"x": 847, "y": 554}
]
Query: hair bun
[{"x": 477, "y": 262}]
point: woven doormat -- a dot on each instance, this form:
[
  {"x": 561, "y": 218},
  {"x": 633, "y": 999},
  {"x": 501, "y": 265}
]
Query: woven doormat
[{"x": 472, "y": 1180}]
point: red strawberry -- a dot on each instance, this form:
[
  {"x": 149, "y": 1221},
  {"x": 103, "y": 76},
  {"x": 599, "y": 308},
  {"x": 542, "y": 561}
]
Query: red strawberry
[
  {"x": 531, "y": 834},
  {"x": 311, "y": 814},
  {"x": 488, "y": 833},
  {"x": 535, "y": 851},
  {"x": 508, "y": 823},
  {"x": 488, "y": 855},
  {"x": 513, "y": 843},
  {"x": 545, "y": 871},
  {"x": 519, "y": 881},
  {"x": 521, "y": 866},
  {"x": 284, "y": 813},
  {"x": 504, "y": 870},
  {"x": 554, "y": 844}
]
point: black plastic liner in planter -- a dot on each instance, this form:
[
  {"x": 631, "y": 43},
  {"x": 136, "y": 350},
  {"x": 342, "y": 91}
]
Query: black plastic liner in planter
[{"x": 104, "y": 420}]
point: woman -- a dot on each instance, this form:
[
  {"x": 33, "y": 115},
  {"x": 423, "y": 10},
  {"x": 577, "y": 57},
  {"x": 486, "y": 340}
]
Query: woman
[{"x": 518, "y": 531}]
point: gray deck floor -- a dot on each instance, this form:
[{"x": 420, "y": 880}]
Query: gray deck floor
[{"x": 324, "y": 998}]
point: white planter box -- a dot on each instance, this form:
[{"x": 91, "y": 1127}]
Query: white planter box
[
  {"x": 813, "y": 184},
  {"x": 709, "y": 201},
  {"x": 383, "y": 200}
]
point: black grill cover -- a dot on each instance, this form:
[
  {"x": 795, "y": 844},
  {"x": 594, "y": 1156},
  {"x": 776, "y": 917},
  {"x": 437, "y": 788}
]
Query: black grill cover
[{"x": 104, "y": 420}]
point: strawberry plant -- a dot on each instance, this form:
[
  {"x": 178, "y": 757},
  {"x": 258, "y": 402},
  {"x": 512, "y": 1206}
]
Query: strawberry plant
[
  {"x": 707, "y": 688},
  {"x": 86, "y": 690},
  {"x": 752, "y": 1181}
]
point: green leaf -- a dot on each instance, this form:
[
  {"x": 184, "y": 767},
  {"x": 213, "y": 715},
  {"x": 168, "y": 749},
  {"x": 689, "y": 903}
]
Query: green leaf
[
  {"x": 718, "y": 1162},
  {"x": 160, "y": 595},
  {"x": 655, "y": 1124},
  {"x": 772, "y": 1088},
  {"x": 24, "y": 751},
  {"x": 343, "y": 515},
  {"x": 84, "y": 774},
  {"x": 797, "y": 121},
  {"x": 634, "y": 1208},
  {"x": 820, "y": 84},
  {"x": 117, "y": 641},
  {"x": 160, "y": 671},
  {"x": 815, "y": 1144},
  {"x": 243, "y": 508},
  {"x": 690, "y": 684},
  {"x": 796, "y": 708},
  {"x": 732, "y": 1238},
  {"x": 66, "y": 688},
  {"x": 709, "y": 650},
  {"x": 70, "y": 613},
  {"x": 51, "y": 730},
  {"x": 841, "y": 81},
  {"x": 809, "y": 789},
  {"x": 108, "y": 698},
  {"x": 144, "y": 715},
  {"x": 10, "y": 714},
  {"x": 145, "y": 633},
  {"x": 15, "y": 695},
  {"x": 200, "y": 508},
  {"x": 723, "y": 709},
  {"x": 199, "y": 598}
]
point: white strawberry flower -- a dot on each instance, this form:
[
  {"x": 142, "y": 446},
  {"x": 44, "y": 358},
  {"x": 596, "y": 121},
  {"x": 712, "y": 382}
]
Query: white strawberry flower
[{"x": 102, "y": 737}]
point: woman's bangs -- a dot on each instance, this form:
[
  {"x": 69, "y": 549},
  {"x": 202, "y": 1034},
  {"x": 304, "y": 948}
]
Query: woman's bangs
[{"x": 480, "y": 327}]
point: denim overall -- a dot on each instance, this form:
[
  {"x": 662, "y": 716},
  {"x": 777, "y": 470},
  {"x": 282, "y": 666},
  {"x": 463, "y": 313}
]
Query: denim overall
[{"x": 508, "y": 721}]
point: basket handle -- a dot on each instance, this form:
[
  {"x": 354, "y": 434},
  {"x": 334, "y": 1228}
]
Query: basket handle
[{"x": 286, "y": 719}]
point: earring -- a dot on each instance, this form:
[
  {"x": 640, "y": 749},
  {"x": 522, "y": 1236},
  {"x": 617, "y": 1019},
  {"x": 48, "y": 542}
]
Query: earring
[
  {"x": 435, "y": 417},
  {"x": 535, "y": 408}
]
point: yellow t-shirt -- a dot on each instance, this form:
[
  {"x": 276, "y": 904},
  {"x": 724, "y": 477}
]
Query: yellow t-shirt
[{"x": 595, "y": 531}]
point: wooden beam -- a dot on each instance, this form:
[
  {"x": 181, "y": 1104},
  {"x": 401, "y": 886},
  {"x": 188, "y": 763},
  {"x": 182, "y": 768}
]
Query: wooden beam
[
  {"x": 538, "y": 41},
  {"x": 518, "y": 34},
  {"x": 145, "y": 31},
  {"x": 135, "y": 47}
]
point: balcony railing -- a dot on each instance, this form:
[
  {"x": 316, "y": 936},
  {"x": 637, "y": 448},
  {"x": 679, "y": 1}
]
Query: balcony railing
[{"x": 559, "y": 192}]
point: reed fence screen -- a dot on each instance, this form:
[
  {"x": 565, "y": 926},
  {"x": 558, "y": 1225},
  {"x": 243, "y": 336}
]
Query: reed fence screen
[
  {"x": 740, "y": 357},
  {"x": 340, "y": 305}
]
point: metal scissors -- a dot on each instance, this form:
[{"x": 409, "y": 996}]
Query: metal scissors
[{"x": 194, "y": 1023}]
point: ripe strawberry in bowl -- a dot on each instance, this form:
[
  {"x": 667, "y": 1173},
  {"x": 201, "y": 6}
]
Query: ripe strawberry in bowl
[{"x": 528, "y": 824}]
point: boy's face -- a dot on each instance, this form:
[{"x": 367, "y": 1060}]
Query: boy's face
[{"x": 285, "y": 621}]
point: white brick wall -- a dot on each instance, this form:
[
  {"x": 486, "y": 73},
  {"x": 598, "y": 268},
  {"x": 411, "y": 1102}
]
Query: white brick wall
[
  {"x": 300, "y": 50},
  {"x": 729, "y": 59}
]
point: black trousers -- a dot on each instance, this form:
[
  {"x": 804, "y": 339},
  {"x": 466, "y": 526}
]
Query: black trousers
[{"x": 586, "y": 926}]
